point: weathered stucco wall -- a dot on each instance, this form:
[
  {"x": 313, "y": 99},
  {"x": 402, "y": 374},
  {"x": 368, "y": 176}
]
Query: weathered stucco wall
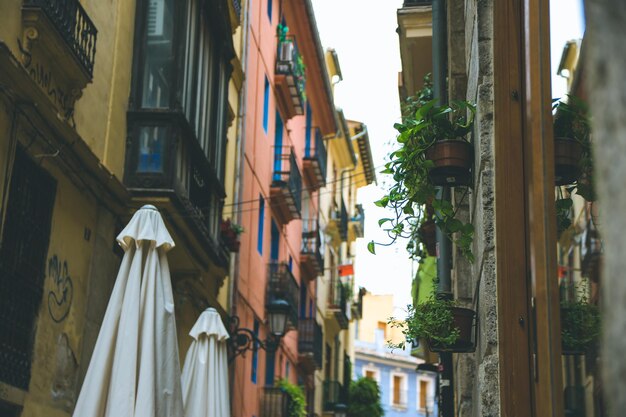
[{"x": 470, "y": 53}]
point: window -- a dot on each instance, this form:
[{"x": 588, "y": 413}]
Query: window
[
  {"x": 398, "y": 390},
  {"x": 425, "y": 394},
  {"x": 255, "y": 354},
  {"x": 307, "y": 133},
  {"x": 269, "y": 9},
  {"x": 266, "y": 105},
  {"x": 372, "y": 373},
  {"x": 382, "y": 328},
  {"x": 22, "y": 266},
  {"x": 259, "y": 244},
  {"x": 178, "y": 110}
]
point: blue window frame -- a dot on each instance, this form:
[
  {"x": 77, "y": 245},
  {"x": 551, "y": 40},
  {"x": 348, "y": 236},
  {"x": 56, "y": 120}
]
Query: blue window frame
[
  {"x": 255, "y": 354},
  {"x": 266, "y": 105},
  {"x": 269, "y": 9},
  {"x": 259, "y": 243},
  {"x": 307, "y": 133},
  {"x": 275, "y": 248},
  {"x": 278, "y": 148}
]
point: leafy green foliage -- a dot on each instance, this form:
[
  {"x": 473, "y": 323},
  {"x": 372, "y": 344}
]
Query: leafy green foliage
[
  {"x": 571, "y": 120},
  {"x": 431, "y": 320},
  {"x": 364, "y": 399},
  {"x": 297, "y": 401},
  {"x": 424, "y": 123},
  {"x": 580, "y": 322}
]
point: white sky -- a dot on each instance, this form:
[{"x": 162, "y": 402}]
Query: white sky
[{"x": 363, "y": 32}]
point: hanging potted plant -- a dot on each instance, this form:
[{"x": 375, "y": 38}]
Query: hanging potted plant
[
  {"x": 572, "y": 149},
  {"x": 296, "y": 401},
  {"x": 580, "y": 326},
  {"x": 441, "y": 323},
  {"x": 417, "y": 169},
  {"x": 230, "y": 233}
]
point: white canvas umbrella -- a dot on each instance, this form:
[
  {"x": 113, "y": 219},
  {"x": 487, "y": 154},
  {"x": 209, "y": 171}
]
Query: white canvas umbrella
[
  {"x": 135, "y": 370},
  {"x": 205, "y": 373}
]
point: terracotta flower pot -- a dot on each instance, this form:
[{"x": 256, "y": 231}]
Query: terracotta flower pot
[
  {"x": 428, "y": 236},
  {"x": 463, "y": 319},
  {"x": 567, "y": 154},
  {"x": 453, "y": 159}
]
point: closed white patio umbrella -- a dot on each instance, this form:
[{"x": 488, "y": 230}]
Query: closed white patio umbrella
[
  {"x": 135, "y": 370},
  {"x": 205, "y": 373}
]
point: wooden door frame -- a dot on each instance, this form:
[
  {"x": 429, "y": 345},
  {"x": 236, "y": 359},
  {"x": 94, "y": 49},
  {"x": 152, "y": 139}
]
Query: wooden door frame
[{"x": 529, "y": 348}]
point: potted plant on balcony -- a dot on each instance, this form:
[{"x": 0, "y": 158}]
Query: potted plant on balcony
[
  {"x": 572, "y": 148},
  {"x": 580, "y": 325},
  {"x": 296, "y": 404},
  {"x": 433, "y": 151},
  {"x": 230, "y": 233},
  {"x": 441, "y": 323}
]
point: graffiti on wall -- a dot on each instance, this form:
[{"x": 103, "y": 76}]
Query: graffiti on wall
[{"x": 62, "y": 293}]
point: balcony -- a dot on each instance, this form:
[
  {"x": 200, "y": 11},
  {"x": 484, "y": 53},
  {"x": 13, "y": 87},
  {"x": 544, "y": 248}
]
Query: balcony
[
  {"x": 274, "y": 402},
  {"x": 166, "y": 166},
  {"x": 338, "y": 303},
  {"x": 311, "y": 258},
  {"x": 333, "y": 394},
  {"x": 290, "y": 81},
  {"x": 341, "y": 216},
  {"x": 412, "y": 3},
  {"x": 286, "y": 188},
  {"x": 56, "y": 30},
  {"x": 314, "y": 162},
  {"x": 358, "y": 222},
  {"x": 281, "y": 285},
  {"x": 310, "y": 343}
]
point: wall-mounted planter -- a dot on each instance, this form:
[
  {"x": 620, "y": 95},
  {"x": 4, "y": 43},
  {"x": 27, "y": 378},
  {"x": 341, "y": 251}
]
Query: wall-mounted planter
[
  {"x": 466, "y": 321},
  {"x": 428, "y": 236},
  {"x": 567, "y": 154},
  {"x": 453, "y": 161}
]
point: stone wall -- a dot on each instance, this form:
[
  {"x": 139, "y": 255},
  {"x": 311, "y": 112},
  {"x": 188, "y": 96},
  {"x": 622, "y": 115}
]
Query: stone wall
[{"x": 470, "y": 54}]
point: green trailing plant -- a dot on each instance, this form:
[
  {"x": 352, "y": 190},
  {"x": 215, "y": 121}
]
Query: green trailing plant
[
  {"x": 424, "y": 123},
  {"x": 430, "y": 320},
  {"x": 580, "y": 324},
  {"x": 364, "y": 399},
  {"x": 296, "y": 406},
  {"x": 571, "y": 120}
]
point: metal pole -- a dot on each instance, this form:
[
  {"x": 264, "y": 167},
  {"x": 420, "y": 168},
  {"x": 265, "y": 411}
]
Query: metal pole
[{"x": 444, "y": 245}]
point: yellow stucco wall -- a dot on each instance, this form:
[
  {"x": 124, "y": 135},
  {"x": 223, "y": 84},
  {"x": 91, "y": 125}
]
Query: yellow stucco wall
[{"x": 377, "y": 308}]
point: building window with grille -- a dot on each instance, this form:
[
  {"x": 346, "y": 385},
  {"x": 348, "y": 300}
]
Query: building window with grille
[
  {"x": 425, "y": 395},
  {"x": 178, "y": 111},
  {"x": 23, "y": 253},
  {"x": 398, "y": 390}
]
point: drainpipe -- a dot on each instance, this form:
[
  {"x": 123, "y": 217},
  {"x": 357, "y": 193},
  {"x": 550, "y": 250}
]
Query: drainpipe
[{"x": 444, "y": 245}]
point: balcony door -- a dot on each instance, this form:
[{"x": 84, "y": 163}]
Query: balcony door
[{"x": 278, "y": 148}]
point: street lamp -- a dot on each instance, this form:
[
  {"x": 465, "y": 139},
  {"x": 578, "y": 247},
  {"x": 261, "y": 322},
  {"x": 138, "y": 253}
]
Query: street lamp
[
  {"x": 341, "y": 410},
  {"x": 243, "y": 339}
]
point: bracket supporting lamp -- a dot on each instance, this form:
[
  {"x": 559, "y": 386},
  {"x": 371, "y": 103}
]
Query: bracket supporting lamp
[{"x": 243, "y": 339}]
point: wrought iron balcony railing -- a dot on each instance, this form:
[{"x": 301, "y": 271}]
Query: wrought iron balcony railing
[
  {"x": 411, "y": 3},
  {"x": 358, "y": 221},
  {"x": 310, "y": 342},
  {"x": 338, "y": 302},
  {"x": 281, "y": 285},
  {"x": 343, "y": 221},
  {"x": 333, "y": 394},
  {"x": 311, "y": 258},
  {"x": 73, "y": 25},
  {"x": 315, "y": 160},
  {"x": 274, "y": 402},
  {"x": 286, "y": 192},
  {"x": 289, "y": 63}
]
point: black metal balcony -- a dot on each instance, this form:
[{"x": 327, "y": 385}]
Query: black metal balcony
[
  {"x": 274, "y": 402},
  {"x": 290, "y": 78},
  {"x": 310, "y": 344},
  {"x": 281, "y": 285},
  {"x": 311, "y": 258},
  {"x": 338, "y": 303},
  {"x": 358, "y": 221},
  {"x": 333, "y": 394},
  {"x": 72, "y": 24},
  {"x": 163, "y": 161},
  {"x": 286, "y": 189},
  {"x": 343, "y": 221},
  {"x": 315, "y": 161},
  {"x": 412, "y": 3}
]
